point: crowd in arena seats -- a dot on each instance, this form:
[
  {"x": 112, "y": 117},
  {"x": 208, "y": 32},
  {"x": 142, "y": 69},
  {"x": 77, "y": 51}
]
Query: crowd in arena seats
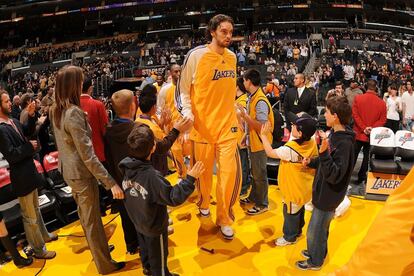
[{"x": 50, "y": 53}]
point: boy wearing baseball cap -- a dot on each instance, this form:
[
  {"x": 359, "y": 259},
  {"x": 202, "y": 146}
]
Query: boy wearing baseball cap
[{"x": 295, "y": 182}]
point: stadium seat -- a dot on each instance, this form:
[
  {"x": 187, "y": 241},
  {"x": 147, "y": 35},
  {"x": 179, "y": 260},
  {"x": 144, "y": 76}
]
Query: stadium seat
[
  {"x": 382, "y": 151},
  {"x": 58, "y": 186},
  {"x": 404, "y": 142}
]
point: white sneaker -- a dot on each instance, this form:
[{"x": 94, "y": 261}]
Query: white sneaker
[
  {"x": 204, "y": 212},
  {"x": 227, "y": 232},
  {"x": 282, "y": 242},
  {"x": 170, "y": 221},
  {"x": 170, "y": 230}
]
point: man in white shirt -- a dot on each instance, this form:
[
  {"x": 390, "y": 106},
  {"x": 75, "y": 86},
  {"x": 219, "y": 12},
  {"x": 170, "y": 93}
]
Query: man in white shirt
[
  {"x": 349, "y": 72},
  {"x": 407, "y": 100},
  {"x": 304, "y": 51}
]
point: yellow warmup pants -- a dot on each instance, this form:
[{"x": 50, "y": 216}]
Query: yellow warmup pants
[
  {"x": 178, "y": 158},
  {"x": 228, "y": 177},
  {"x": 388, "y": 248}
]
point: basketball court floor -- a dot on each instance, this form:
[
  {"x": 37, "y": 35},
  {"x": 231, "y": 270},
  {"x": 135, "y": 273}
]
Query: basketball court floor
[{"x": 197, "y": 248}]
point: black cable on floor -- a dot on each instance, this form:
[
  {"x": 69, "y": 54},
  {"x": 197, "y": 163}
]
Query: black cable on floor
[
  {"x": 43, "y": 266},
  {"x": 82, "y": 236}
]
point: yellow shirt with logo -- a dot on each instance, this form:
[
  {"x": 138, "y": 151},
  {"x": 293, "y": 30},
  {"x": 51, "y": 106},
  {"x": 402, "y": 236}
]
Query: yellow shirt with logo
[
  {"x": 158, "y": 133},
  {"x": 295, "y": 181},
  {"x": 206, "y": 93}
]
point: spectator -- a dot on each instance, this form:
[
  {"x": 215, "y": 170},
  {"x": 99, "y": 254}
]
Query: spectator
[
  {"x": 338, "y": 70},
  {"x": 19, "y": 153},
  {"x": 300, "y": 99},
  {"x": 304, "y": 52},
  {"x": 394, "y": 106},
  {"x": 334, "y": 168},
  {"x": 241, "y": 58},
  {"x": 8, "y": 244},
  {"x": 16, "y": 109},
  {"x": 294, "y": 182},
  {"x": 352, "y": 91},
  {"x": 259, "y": 112},
  {"x": 337, "y": 91},
  {"x": 349, "y": 72},
  {"x": 147, "y": 195},
  {"x": 97, "y": 118},
  {"x": 252, "y": 58},
  {"x": 407, "y": 100},
  {"x": 241, "y": 99},
  {"x": 47, "y": 100},
  {"x": 79, "y": 164},
  {"x": 271, "y": 90},
  {"x": 365, "y": 120}
]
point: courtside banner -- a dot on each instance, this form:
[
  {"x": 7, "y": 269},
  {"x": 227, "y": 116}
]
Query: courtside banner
[{"x": 382, "y": 183}]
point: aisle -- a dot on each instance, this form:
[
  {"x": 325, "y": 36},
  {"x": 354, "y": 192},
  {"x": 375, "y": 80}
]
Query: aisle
[{"x": 252, "y": 252}]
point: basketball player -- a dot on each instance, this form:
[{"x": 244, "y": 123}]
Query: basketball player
[{"x": 206, "y": 93}]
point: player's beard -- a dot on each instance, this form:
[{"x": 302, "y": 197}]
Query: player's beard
[
  {"x": 223, "y": 44},
  {"x": 5, "y": 110}
]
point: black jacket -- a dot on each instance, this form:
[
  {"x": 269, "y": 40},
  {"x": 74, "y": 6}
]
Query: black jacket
[
  {"x": 116, "y": 147},
  {"x": 306, "y": 102},
  {"x": 147, "y": 194},
  {"x": 16, "y": 110},
  {"x": 334, "y": 169},
  {"x": 19, "y": 154}
]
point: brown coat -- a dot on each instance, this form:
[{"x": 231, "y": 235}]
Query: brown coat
[{"x": 77, "y": 159}]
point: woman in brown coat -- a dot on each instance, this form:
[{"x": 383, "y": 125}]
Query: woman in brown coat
[{"x": 79, "y": 165}]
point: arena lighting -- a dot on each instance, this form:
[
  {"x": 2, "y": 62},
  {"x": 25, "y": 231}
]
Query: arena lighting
[
  {"x": 20, "y": 68},
  {"x": 17, "y": 19},
  {"x": 61, "y": 61},
  {"x": 349, "y": 6},
  {"x": 192, "y": 13},
  {"x": 105, "y": 22},
  {"x": 303, "y": 22},
  {"x": 235, "y": 25},
  {"x": 168, "y": 30},
  {"x": 388, "y": 25},
  {"x": 141, "y": 18},
  {"x": 301, "y": 6}
]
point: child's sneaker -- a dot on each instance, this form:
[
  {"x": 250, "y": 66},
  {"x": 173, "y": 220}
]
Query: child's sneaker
[
  {"x": 305, "y": 265},
  {"x": 305, "y": 253},
  {"x": 256, "y": 210},
  {"x": 245, "y": 200},
  {"x": 170, "y": 230},
  {"x": 282, "y": 242},
  {"x": 227, "y": 232},
  {"x": 204, "y": 212}
]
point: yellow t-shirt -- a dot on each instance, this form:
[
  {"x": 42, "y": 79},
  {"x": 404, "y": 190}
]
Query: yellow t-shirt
[{"x": 158, "y": 133}]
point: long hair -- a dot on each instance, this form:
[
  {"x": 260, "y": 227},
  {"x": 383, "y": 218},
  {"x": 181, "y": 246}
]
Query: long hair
[{"x": 68, "y": 89}]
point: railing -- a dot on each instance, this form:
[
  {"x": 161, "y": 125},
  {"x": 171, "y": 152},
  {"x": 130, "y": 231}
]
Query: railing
[{"x": 103, "y": 83}]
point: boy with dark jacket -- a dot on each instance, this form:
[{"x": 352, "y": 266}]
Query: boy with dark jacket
[
  {"x": 147, "y": 194},
  {"x": 334, "y": 168},
  {"x": 116, "y": 149}
]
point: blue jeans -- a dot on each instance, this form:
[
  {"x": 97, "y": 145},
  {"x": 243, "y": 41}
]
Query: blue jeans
[
  {"x": 246, "y": 179},
  {"x": 410, "y": 124},
  {"x": 260, "y": 184},
  {"x": 34, "y": 227},
  {"x": 293, "y": 224},
  {"x": 317, "y": 236}
]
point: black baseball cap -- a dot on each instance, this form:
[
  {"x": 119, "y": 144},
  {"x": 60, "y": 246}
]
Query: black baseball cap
[{"x": 304, "y": 123}]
